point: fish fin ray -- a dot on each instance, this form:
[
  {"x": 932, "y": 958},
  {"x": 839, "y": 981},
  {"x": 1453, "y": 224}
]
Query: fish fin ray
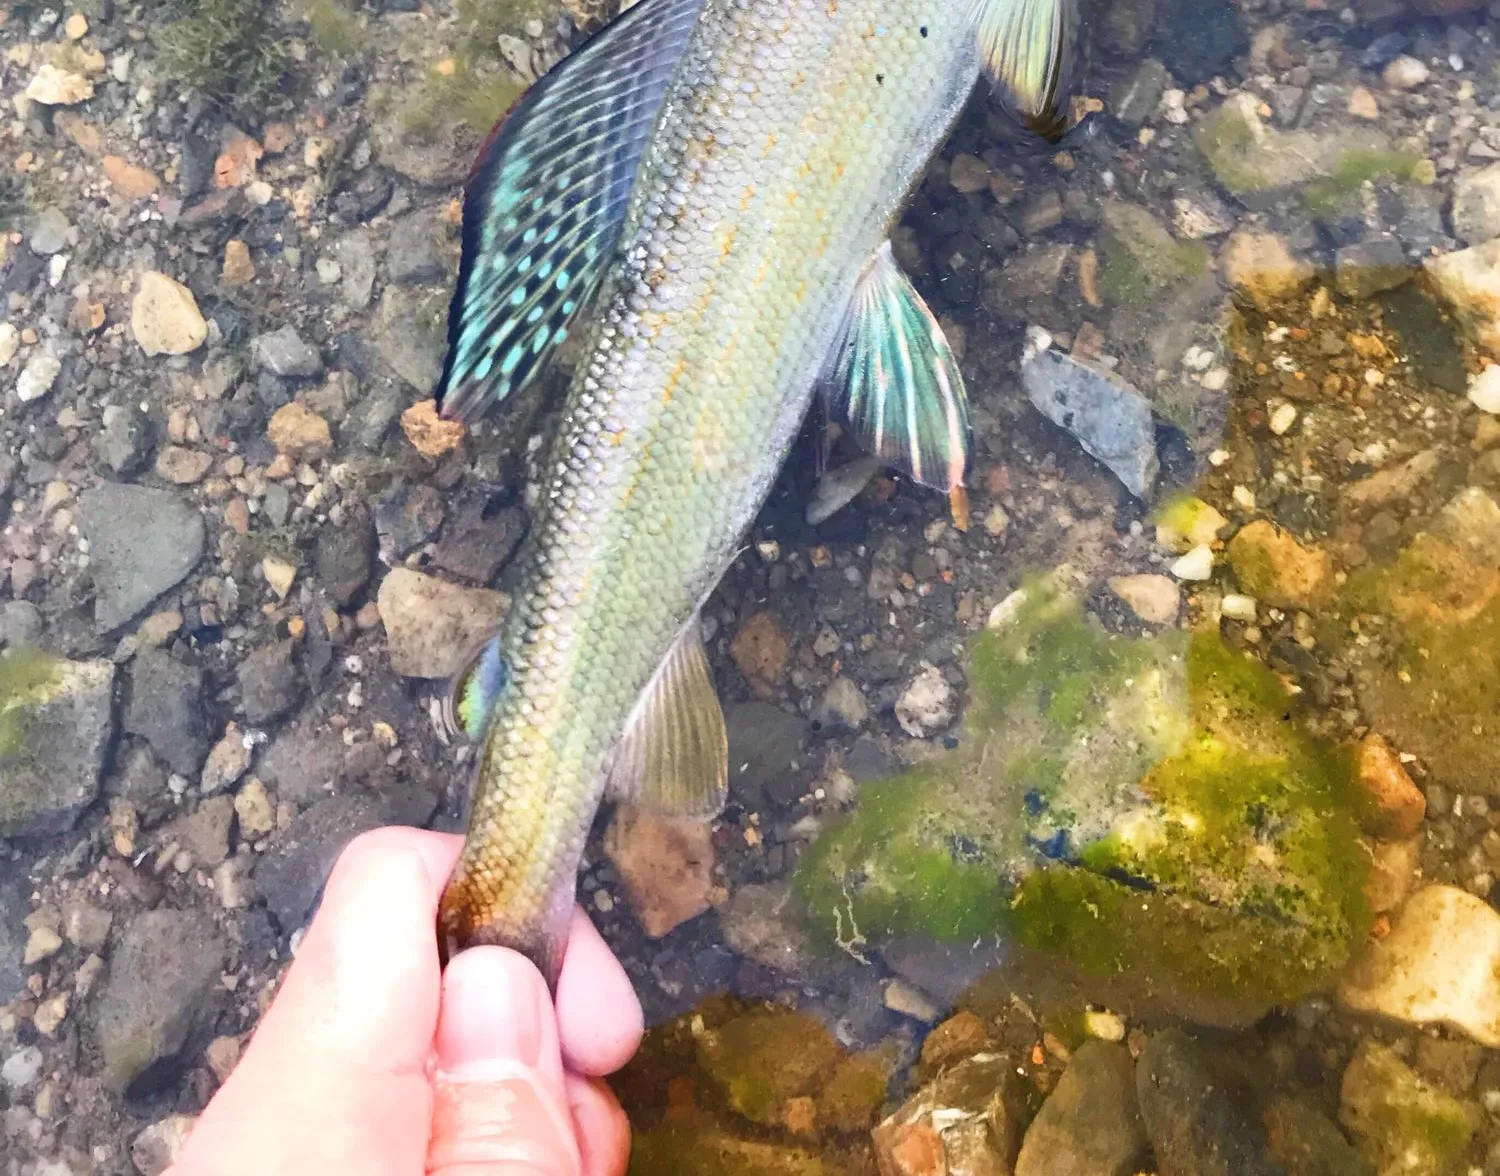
[
  {"x": 547, "y": 201},
  {"x": 474, "y": 690},
  {"x": 674, "y": 755},
  {"x": 1028, "y": 52},
  {"x": 897, "y": 382}
]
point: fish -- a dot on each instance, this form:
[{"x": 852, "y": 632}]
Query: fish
[{"x": 705, "y": 192}]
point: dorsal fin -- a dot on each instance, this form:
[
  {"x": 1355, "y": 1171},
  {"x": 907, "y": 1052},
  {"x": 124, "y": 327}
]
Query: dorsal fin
[
  {"x": 547, "y": 201},
  {"x": 1028, "y": 49}
]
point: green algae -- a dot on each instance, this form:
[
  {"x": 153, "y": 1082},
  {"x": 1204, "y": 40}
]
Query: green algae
[
  {"x": 25, "y": 676},
  {"x": 228, "y": 50},
  {"x": 1355, "y": 167},
  {"x": 1145, "y": 805}
]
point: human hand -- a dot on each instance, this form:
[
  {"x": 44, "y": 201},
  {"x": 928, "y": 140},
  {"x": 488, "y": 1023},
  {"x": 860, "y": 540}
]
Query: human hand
[{"x": 371, "y": 1060}]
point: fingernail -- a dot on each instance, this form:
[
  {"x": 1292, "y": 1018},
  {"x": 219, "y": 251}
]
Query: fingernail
[{"x": 494, "y": 1005}]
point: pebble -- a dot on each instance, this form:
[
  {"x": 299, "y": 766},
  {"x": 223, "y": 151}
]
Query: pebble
[
  {"x": 37, "y": 377},
  {"x": 1484, "y": 390},
  {"x": 1282, "y": 418},
  {"x": 1239, "y": 607},
  {"x": 1396, "y": 804},
  {"x": 156, "y": 1147},
  {"x": 1405, "y": 73},
  {"x": 1188, "y": 522},
  {"x": 86, "y": 925},
  {"x": 1154, "y": 599},
  {"x": 285, "y": 353},
  {"x": 252, "y": 806},
  {"x": 222, "y": 1055},
  {"x": 300, "y": 433},
  {"x": 665, "y": 864},
  {"x": 965, "y": 1121},
  {"x": 431, "y": 625},
  {"x": 164, "y": 317},
  {"x": 268, "y": 681},
  {"x": 910, "y": 1001},
  {"x": 755, "y": 924},
  {"x": 842, "y": 707},
  {"x": 55, "y": 87},
  {"x": 42, "y": 944},
  {"x": 1090, "y": 1125},
  {"x": 1197, "y": 564},
  {"x": 185, "y": 467},
  {"x": 1440, "y": 964},
  {"x": 1403, "y": 1124},
  {"x": 228, "y": 760},
  {"x": 429, "y": 434},
  {"x": 10, "y": 343},
  {"x": 130, "y": 181},
  {"x": 279, "y": 575},
  {"x": 49, "y": 232},
  {"x": 1393, "y": 867},
  {"x": 73, "y": 718},
  {"x": 1273, "y": 567},
  {"x": 759, "y": 650},
  {"x": 927, "y": 704},
  {"x": 238, "y": 268},
  {"x": 1263, "y": 268},
  {"x": 21, "y": 1068},
  {"x": 166, "y": 708}
]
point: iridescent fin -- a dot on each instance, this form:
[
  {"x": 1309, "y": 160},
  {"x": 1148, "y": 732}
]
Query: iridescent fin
[
  {"x": 896, "y": 379},
  {"x": 474, "y": 690},
  {"x": 1028, "y": 47},
  {"x": 674, "y": 755},
  {"x": 547, "y": 201}
]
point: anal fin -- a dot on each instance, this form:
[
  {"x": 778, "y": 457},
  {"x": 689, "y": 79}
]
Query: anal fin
[
  {"x": 674, "y": 755},
  {"x": 896, "y": 380}
]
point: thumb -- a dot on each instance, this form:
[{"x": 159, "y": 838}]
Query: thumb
[{"x": 500, "y": 1104}]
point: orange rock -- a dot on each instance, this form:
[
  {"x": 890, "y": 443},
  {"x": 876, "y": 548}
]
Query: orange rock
[
  {"x": 279, "y": 136},
  {"x": 1396, "y": 805},
  {"x": 131, "y": 182},
  {"x": 81, "y": 131},
  {"x": 917, "y": 1151},
  {"x": 237, "y": 163},
  {"x": 238, "y": 268},
  {"x": 666, "y": 864},
  {"x": 430, "y": 435},
  {"x": 759, "y": 650}
]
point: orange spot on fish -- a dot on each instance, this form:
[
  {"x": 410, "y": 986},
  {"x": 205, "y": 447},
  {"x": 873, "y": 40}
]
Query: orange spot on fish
[
  {"x": 746, "y": 197},
  {"x": 672, "y": 381},
  {"x": 770, "y": 144}
]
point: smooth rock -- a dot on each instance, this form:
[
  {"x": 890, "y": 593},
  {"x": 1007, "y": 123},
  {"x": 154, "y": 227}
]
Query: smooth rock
[
  {"x": 21, "y": 623},
  {"x": 1439, "y": 965},
  {"x": 765, "y": 1057},
  {"x": 1369, "y": 267},
  {"x": 157, "y": 996},
  {"x": 166, "y": 708},
  {"x": 56, "y": 721},
  {"x": 1403, "y": 1125},
  {"x": 666, "y": 864},
  {"x": 1090, "y": 1125},
  {"x": 142, "y": 542},
  {"x": 927, "y": 705},
  {"x": 1195, "y": 1128},
  {"x": 1308, "y": 1143},
  {"x": 1154, "y": 599},
  {"x": 431, "y": 625},
  {"x": 1396, "y": 804},
  {"x": 37, "y": 377},
  {"x": 1110, "y": 419},
  {"x": 407, "y": 331},
  {"x": 86, "y": 925},
  {"x": 164, "y": 317}
]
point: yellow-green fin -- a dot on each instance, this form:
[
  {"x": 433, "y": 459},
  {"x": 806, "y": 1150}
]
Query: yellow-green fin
[
  {"x": 674, "y": 755},
  {"x": 474, "y": 690},
  {"x": 546, "y": 203},
  {"x": 1028, "y": 47},
  {"x": 896, "y": 381}
]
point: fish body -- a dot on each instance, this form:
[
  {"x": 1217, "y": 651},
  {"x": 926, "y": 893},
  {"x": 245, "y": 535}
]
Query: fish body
[{"x": 748, "y": 262}]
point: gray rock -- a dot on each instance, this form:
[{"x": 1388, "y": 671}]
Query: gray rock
[
  {"x": 345, "y": 556},
  {"x": 356, "y": 257},
  {"x": 158, "y": 996},
  {"x": 1135, "y": 98},
  {"x": 1090, "y": 1126},
  {"x": 203, "y": 833},
  {"x": 277, "y": 504},
  {"x": 157, "y": 1146},
  {"x": 21, "y": 1069},
  {"x": 269, "y": 685},
  {"x": 142, "y": 781},
  {"x": 842, "y": 707},
  {"x": 761, "y": 923},
  {"x": 56, "y": 720},
  {"x": 413, "y": 254},
  {"x": 291, "y": 874},
  {"x": 166, "y": 709},
  {"x": 20, "y": 623},
  {"x": 1370, "y": 267},
  {"x": 124, "y": 444},
  {"x": 1110, "y": 419},
  {"x": 409, "y": 332},
  {"x": 142, "y": 542},
  {"x": 48, "y": 232},
  {"x": 1194, "y": 1126},
  {"x": 301, "y": 764},
  {"x": 13, "y": 933},
  {"x": 285, "y": 353},
  {"x": 1476, "y": 205},
  {"x": 477, "y": 544},
  {"x": 765, "y": 750},
  {"x": 86, "y": 925},
  {"x": 942, "y": 969},
  {"x": 372, "y": 419}
]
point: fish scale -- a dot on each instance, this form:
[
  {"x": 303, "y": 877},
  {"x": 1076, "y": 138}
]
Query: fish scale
[{"x": 789, "y": 136}]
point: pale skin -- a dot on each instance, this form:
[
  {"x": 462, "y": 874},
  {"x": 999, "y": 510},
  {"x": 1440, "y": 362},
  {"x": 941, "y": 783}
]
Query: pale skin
[{"x": 372, "y": 1059}]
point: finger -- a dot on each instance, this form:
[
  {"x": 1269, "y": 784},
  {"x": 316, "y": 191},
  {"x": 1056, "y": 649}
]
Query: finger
[
  {"x": 501, "y": 1105},
  {"x": 598, "y": 1012},
  {"x": 600, "y": 1124}
]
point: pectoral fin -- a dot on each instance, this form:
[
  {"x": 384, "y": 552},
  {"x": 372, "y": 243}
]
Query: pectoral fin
[
  {"x": 474, "y": 689},
  {"x": 546, "y": 203},
  {"x": 896, "y": 381},
  {"x": 1028, "y": 48},
  {"x": 674, "y": 755}
]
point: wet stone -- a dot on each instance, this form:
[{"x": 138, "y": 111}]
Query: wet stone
[
  {"x": 666, "y": 864},
  {"x": 344, "y": 557},
  {"x": 13, "y": 897},
  {"x": 124, "y": 444},
  {"x": 480, "y": 541},
  {"x": 269, "y": 683},
  {"x": 1089, "y": 1125},
  {"x": 842, "y": 707},
  {"x": 301, "y": 764},
  {"x": 142, "y": 542},
  {"x": 765, "y": 1057},
  {"x": 56, "y": 720},
  {"x": 21, "y": 624},
  {"x": 756, "y": 922},
  {"x": 1308, "y": 1143},
  {"x": 1194, "y": 1126},
  {"x": 1402, "y": 1125},
  {"x": 283, "y": 352},
  {"x": 765, "y": 753},
  {"x": 413, "y": 254},
  {"x": 204, "y": 833},
  {"x": 158, "y": 996},
  {"x": 157, "y": 1146},
  {"x": 166, "y": 708},
  {"x": 48, "y": 232},
  {"x": 1369, "y": 267},
  {"x": 966, "y": 1121},
  {"x": 432, "y": 625}
]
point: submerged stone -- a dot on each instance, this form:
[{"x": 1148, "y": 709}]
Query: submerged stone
[
  {"x": 1142, "y": 807},
  {"x": 965, "y": 1121},
  {"x": 1402, "y": 1124}
]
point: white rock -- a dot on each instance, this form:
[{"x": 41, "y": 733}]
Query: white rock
[
  {"x": 1484, "y": 390},
  {"x": 226, "y": 763},
  {"x": 164, "y": 317},
  {"x": 1104, "y": 1025},
  {"x": 37, "y": 377},
  {"x": 1198, "y": 564},
  {"x": 1155, "y": 599},
  {"x": 21, "y": 1069},
  {"x": 1439, "y": 965},
  {"x": 910, "y": 1001},
  {"x": 1238, "y": 607},
  {"x": 1283, "y": 417},
  {"x": 1472, "y": 521},
  {"x": 927, "y": 705},
  {"x": 1476, "y": 205},
  {"x": 57, "y": 87},
  {"x": 1406, "y": 73},
  {"x": 10, "y": 343},
  {"x": 431, "y": 625}
]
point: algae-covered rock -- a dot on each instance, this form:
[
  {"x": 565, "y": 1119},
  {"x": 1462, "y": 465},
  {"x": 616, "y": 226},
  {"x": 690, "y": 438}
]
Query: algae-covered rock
[
  {"x": 56, "y": 720},
  {"x": 1140, "y": 255},
  {"x": 765, "y": 1057},
  {"x": 1140, "y": 806},
  {"x": 1431, "y": 681},
  {"x": 1402, "y": 1124},
  {"x": 699, "y": 1148}
]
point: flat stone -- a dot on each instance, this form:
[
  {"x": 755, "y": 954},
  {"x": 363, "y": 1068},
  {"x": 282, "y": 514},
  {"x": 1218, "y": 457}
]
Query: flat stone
[
  {"x": 1471, "y": 522},
  {"x": 285, "y": 353},
  {"x": 1476, "y": 205},
  {"x": 408, "y": 332},
  {"x": 1439, "y": 965},
  {"x": 157, "y": 996},
  {"x": 1154, "y": 599},
  {"x": 1090, "y": 1125},
  {"x": 166, "y": 708},
  {"x": 1109, "y": 418},
  {"x": 269, "y": 683},
  {"x": 1273, "y": 567},
  {"x": 757, "y": 922},
  {"x": 142, "y": 542},
  {"x": 666, "y": 864},
  {"x": 164, "y": 317},
  {"x": 431, "y": 625},
  {"x": 56, "y": 721}
]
